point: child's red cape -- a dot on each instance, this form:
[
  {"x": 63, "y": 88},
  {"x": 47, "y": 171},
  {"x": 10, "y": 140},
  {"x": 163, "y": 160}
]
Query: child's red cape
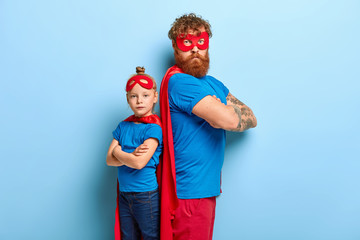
[{"x": 149, "y": 119}]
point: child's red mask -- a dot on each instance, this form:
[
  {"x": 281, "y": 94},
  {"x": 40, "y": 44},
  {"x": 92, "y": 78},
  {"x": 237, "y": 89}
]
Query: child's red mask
[
  {"x": 137, "y": 79},
  {"x": 201, "y": 41}
]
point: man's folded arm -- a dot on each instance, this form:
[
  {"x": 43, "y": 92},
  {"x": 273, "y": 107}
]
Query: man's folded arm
[{"x": 235, "y": 116}]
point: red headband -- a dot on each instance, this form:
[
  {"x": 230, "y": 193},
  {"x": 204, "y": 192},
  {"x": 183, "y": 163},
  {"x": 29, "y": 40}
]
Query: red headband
[
  {"x": 136, "y": 79},
  {"x": 194, "y": 41}
]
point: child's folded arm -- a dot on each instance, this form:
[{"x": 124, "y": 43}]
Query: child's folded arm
[
  {"x": 111, "y": 160},
  {"x": 140, "y": 157}
]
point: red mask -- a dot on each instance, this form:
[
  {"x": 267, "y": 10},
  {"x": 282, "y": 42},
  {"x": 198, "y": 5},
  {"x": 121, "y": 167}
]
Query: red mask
[
  {"x": 136, "y": 79},
  {"x": 194, "y": 41}
]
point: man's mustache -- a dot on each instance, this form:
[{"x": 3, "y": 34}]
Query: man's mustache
[{"x": 196, "y": 55}]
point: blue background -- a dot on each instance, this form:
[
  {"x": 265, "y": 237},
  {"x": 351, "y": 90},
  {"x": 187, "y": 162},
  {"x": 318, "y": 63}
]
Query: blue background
[{"x": 63, "y": 69}]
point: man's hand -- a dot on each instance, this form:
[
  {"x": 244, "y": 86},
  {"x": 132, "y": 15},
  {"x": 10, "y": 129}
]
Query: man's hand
[
  {"x": 216, "y": 98},
  {"x": 233, "y": 116}
]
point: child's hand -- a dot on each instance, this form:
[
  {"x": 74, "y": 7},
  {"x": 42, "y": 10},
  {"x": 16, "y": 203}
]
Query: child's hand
[{"x": 141, "y": 150}]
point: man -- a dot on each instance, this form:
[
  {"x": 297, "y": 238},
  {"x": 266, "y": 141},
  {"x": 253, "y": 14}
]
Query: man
[{"x": 196, "y": 111}]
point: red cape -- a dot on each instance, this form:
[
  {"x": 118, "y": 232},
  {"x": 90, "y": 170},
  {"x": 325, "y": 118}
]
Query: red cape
[
  {"x": 167, "y": 178},
  {"x": 169, "y": 200},
  {"x": 149, "y": 119}
]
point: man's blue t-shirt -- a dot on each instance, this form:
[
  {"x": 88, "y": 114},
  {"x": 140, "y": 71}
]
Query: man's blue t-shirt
[
  {"x": 199, "y": 148},
  {"x": 130, "y": 135}
]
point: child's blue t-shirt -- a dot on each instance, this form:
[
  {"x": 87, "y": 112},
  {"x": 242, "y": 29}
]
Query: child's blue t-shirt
[
  {"x": 199, "y": 148},
  {"x": 130, "y": 135}
]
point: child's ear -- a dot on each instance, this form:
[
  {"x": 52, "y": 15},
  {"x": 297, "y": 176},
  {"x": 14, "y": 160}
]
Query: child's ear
[{"x": 156, "y": 97}]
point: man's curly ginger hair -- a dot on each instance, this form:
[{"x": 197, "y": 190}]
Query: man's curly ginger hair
[{"x": 186, "y": 22}]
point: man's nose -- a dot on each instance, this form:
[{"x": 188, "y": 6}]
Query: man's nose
[{"x": 195, "y": 49}]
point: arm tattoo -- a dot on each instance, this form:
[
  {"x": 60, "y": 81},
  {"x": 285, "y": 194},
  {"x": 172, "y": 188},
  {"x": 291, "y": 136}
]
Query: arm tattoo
[
  {"x": 238, "y": 113},
  {"x": 246, "y": 116},
  {"x": 234, "y": 100}
]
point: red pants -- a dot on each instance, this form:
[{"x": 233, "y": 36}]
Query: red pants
[{"x": 194, "y": 219}]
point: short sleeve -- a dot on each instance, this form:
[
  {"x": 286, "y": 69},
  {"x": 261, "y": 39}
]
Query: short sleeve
[
  {"x": 220, "y": 85},
  {"x": 153, "y": 131},
  {"x": 186, "y": 91},
  {"x": 116, "y": 133}
]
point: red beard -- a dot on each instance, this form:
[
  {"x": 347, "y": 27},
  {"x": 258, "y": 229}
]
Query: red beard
[{"x": 195, "y": 67}]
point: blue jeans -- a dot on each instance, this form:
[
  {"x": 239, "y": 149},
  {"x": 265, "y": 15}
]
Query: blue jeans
[{"x": 139, "y": 215}]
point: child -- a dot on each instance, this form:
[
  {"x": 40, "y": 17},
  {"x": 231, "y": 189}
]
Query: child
[{"x": 135, "y": 150}]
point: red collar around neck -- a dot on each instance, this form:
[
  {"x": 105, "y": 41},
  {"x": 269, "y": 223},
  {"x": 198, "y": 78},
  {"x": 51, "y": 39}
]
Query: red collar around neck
[{"x": 149, "y": 119}]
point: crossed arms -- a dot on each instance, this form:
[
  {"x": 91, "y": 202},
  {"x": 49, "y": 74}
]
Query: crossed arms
[
  {"x": 137, "y": 159},
  {"x": 235, "y": 116}
]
